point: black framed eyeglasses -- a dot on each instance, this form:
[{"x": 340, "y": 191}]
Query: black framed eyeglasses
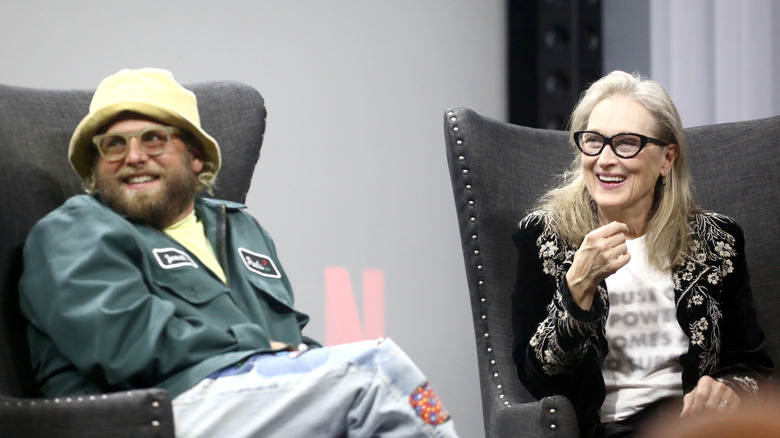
[
  {"x": 114, "y": 146},
  {"x": 624, "y": 145}
]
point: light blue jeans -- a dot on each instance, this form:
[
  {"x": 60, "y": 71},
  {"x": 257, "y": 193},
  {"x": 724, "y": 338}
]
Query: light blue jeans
[{"x": 364, "y": 389}]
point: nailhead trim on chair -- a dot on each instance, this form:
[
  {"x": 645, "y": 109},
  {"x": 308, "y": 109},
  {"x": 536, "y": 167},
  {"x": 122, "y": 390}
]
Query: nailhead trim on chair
[
  {"x": 453, "y": 123},
  {"x": 57, "y": 400}
]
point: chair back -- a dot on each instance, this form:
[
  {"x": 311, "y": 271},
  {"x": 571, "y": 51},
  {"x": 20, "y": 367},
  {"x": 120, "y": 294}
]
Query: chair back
[{"x": 36, "y": 177}]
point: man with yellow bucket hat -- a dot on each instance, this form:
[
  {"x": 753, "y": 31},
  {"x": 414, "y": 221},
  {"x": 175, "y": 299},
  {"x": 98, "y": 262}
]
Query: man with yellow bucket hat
[{"x": 143, "y": 283}]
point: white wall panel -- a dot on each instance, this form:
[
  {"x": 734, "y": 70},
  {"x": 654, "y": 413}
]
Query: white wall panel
[{"x": 718, "y": 59}]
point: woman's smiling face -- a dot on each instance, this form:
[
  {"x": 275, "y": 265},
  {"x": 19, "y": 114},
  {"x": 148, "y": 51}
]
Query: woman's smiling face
[{"x": 623, "y": 188}]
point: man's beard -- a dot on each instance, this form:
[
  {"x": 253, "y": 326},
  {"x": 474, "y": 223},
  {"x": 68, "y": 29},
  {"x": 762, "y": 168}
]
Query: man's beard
[{"x": 159, "y": 209}]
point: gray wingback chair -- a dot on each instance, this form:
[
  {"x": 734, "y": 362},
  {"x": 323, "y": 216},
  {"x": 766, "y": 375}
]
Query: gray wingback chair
[
  {"x": 498, "y": 170},
  {"x": 35, "y": 178}
]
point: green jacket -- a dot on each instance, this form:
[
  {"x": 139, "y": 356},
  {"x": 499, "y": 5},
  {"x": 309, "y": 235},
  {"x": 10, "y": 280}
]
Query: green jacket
[{"x": 114, "y": 304}]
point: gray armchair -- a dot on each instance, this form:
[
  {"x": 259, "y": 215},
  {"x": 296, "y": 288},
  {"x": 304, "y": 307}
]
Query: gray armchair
[
  {"x": 498, "y": 170},
  {"x": 35, "y": 178}
]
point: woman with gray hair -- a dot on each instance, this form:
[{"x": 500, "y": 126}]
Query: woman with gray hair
[{"x": 628, "y": 296}]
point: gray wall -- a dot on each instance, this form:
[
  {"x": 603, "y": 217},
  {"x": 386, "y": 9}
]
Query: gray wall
[
  {"x": 625, "y": 30},
  {"x": 353, "y": 172}
]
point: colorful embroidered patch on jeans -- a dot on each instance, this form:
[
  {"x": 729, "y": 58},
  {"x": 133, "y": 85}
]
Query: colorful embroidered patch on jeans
[{"x": 427, "y": 405}]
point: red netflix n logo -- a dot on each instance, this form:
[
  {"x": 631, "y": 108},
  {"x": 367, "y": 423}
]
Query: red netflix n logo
[{"x": 342, "y": 322}]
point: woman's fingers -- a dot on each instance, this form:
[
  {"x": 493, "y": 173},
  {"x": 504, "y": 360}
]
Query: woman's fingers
[
  {"x": 709, "y": 394},
  {"x": 601, "y": 254}
]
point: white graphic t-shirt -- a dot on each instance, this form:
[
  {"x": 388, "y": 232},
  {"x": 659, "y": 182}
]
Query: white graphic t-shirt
[{"x": 645, "y": 340}]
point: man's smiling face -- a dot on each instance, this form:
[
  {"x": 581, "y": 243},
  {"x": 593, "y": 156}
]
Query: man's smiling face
[{"x": 159, "y": 189}]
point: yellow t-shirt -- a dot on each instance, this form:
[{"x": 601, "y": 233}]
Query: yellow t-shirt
[{"x": 190, "y": 233}]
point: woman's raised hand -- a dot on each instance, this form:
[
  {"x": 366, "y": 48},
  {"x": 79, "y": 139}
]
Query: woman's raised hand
[{"x": 602, "y": 253}]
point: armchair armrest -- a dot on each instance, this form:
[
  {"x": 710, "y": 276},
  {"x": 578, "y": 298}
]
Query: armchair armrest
[
  {"x": 548, "y": 417},
  {"x": 130, "y": 414}
]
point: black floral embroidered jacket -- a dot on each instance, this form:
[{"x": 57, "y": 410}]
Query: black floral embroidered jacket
[{"x": 559, "y": 348}]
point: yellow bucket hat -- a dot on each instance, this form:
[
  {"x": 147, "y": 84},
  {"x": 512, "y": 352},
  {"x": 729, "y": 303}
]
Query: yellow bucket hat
[{"x": 151, "y": 92}]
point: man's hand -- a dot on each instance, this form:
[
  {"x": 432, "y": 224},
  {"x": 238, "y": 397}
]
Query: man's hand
[
  {"x": 279, "y": 346},
  {"x": 602, "y": 253},
  {"x": 709, "y": 394}
]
